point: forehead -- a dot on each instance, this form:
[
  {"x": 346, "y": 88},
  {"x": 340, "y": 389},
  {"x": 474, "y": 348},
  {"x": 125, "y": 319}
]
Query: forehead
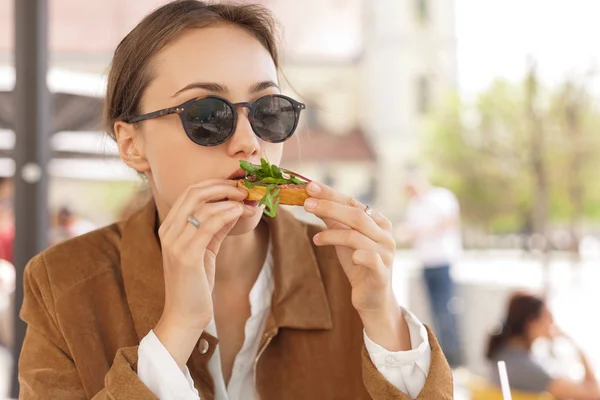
[{"x": 223, "y": 54}]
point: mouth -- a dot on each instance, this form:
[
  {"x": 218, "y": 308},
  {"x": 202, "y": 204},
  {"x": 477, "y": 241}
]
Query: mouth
[
  {"x": 251, "y": 203},
  {"x": 237, "y": 174}
]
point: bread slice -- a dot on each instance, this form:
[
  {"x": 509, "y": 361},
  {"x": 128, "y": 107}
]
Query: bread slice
[{"x": 290, "y": 195}]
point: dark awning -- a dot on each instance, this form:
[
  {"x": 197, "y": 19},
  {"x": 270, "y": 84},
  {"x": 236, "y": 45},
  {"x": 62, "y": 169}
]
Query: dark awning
[{"x": 69, "y": 112}]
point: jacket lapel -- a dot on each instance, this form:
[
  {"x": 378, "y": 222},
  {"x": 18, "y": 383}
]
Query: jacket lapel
[
  {"x": 299, "y": 298},
  {"x": 141, "y": 264}
]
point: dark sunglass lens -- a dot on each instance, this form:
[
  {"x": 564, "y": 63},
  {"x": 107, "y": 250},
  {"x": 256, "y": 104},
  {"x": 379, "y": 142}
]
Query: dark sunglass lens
[
  {"x": 274, "y": 118},
  {"x": 209, "y": 121}
]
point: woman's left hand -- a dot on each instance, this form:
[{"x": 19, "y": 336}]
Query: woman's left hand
[{"x": 365, "y": 247}]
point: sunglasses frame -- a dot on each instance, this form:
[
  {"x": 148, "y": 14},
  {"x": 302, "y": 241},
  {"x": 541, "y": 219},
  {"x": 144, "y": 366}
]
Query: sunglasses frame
[{"x": 182, "y": 109}]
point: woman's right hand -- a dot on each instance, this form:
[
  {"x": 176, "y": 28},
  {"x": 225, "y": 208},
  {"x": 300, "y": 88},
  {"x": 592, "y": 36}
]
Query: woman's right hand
[{"x": 189, "y": 256}]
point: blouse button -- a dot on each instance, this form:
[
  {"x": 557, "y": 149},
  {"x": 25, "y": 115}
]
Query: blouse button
[{"x": 203, "y": 346}]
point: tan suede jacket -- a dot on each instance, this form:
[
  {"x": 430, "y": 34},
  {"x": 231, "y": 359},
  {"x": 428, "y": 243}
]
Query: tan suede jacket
[{"x": 90, "y": 301}]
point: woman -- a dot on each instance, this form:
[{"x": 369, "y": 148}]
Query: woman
[
  {"x": 529, "y": 319},
  {"x": 134, "y": 310}
]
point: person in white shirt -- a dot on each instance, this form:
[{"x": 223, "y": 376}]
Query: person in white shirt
[
  {"x": 432, "y": 225},
  {"x": 198, "y": 295}
]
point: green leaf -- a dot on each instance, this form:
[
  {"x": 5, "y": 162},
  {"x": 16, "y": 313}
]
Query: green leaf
[
  {"x": 277, "y": 181},
  {"x": 271, "y": 213},
  {"x": 276, "y": 172},
  {"x": 248, "y": 167},
  {"x": 265, "y": 165},
  {"x": 248, "y": 184},
  {"x": 296, "y": 180}
]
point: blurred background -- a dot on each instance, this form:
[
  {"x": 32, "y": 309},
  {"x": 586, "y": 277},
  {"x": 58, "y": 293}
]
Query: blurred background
[{"x": 496, "y": 101}]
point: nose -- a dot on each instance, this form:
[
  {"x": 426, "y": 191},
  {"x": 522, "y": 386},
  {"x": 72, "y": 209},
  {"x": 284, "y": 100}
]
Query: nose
[{"x": 243, "y": 142}]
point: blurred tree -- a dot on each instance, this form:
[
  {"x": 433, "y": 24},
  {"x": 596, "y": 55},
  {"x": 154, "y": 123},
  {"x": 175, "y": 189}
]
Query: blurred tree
[{"x": 522, "y": 156}]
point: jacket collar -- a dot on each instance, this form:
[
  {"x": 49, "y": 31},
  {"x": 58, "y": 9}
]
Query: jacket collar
[{"x": 299, "y": 298}]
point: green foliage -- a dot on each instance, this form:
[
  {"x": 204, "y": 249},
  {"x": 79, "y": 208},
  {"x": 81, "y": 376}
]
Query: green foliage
[{"x": 483, "y": 153}]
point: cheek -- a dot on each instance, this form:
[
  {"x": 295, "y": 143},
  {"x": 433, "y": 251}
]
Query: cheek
[{"x": 176, "y": 163}]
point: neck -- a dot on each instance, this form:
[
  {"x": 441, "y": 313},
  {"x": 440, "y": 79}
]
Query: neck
[{"x": 241, "y": 257}]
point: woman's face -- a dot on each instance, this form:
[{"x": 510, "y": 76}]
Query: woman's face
[
  {"x": 228, "y": 62},
  {"x": 541, "y": 327}
]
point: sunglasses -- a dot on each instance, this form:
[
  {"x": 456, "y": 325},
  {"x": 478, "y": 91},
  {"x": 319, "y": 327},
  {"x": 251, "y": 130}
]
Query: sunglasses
[{"x": 212, "y": 120}]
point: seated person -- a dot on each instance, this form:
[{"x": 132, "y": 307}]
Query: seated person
[{"x": 529, "y": 319}]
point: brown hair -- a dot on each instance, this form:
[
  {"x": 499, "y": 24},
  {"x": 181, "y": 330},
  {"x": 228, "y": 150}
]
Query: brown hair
[
  {"x": 130, "y": 71},
  {"x": 522, "y": 309}
]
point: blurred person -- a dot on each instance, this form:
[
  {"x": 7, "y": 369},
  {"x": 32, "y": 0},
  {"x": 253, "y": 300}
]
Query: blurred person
[
  {"x": 7, "y": 289},
  {"x": 197, "y": 294},
  {"x": 7, "y": 218},
  {"x": 528, "y": 319},
  {"x": 432, "y": 226},
  {"x": 7, "y": 269}
]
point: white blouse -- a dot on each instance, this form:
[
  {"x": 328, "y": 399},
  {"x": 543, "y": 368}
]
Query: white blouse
[{"x": 407, "y": 370}]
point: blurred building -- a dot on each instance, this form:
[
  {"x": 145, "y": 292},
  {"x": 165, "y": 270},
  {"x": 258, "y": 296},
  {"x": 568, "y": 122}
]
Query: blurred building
[
  {"x": 399, "y": 61},
  {"x": 369, "y": 70}
]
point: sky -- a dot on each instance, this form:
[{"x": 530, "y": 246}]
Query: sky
[{"x": 496, "y": 37}]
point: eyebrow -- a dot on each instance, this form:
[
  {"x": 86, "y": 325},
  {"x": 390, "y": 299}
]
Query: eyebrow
[
  {"x": 219, "y": 88},
  {"x": 260, "y": 86}
]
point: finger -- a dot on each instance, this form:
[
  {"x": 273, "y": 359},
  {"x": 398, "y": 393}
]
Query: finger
[
  {"x": 353, "y": 240},
  {"x": 194, "y": 198},
  {"x": 382, "y": 221},
  {"x": 345, "y": 214},
  {"x": 195, "y": 249},
  {"x": 204, "y": 183},
  {"x": 369, "y": 259},
  {"x": 333, "y": 224},
  {"x": 321, "y": 191},
  {"x": 219, "y": 215},
  {"x": 209, "y": 229},
  {"x": 204, "y": 213},
  {"x": 376, "y": 216},
  {"x": 346, "y": 238}
]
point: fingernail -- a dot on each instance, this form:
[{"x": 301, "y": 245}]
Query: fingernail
[
  {"x": 310, "y": 203},
  {"x": 242, "y": 190},
  {"x": 316, "y": 238},
  {"x": 236, "y": 210},
  {"x": 313, "y": 188}
]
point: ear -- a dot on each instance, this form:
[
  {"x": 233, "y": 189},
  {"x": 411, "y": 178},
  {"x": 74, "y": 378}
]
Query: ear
[{"x": 131, "y": 146}]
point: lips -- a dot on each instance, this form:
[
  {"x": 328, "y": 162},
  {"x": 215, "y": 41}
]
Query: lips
[
  {"x": 237, "y": 174},
  {"x": 251, "y": 203}
]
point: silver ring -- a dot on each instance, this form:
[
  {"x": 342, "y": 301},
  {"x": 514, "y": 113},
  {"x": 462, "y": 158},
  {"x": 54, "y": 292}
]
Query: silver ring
[
  {"x": 368, "y": 211},
  {"x": 194, "y": 221}
]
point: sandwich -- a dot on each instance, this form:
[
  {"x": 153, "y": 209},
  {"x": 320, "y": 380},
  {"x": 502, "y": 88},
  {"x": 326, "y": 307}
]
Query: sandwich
[{"x": 271, "y": 186}]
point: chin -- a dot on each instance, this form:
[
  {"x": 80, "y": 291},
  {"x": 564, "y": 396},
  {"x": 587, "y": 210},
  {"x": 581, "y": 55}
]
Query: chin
[{"x": 247, "y": 224}]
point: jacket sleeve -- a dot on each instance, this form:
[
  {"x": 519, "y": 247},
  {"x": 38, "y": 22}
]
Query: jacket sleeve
[
  {"x": 46, "y": 369},
  {"x": 438, "y": 385}
]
